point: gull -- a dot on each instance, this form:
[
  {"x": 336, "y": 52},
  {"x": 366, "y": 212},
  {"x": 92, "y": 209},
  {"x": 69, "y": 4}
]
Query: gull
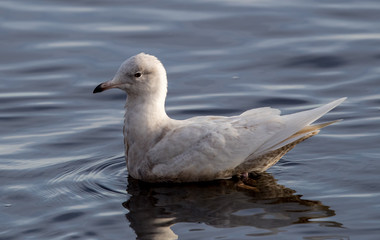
[{"x": 161, "y": 149}]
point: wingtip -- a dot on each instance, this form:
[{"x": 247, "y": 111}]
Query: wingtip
[
  {"x": 339, "y": 101},
  {"x": 329, "y": 106}
]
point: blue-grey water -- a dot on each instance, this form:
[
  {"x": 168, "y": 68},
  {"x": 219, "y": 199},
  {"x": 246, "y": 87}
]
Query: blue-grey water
[{"x": 62, "y": 168}]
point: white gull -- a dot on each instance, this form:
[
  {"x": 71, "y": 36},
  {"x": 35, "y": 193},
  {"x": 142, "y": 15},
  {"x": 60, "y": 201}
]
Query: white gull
[{"x": 161, "y": 149}]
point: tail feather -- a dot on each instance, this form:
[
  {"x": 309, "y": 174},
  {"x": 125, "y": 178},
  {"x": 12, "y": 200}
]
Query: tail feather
[{"x": 303, "y": 132}]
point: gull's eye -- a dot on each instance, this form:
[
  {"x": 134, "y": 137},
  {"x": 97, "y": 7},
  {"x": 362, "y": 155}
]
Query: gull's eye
[{"x": 138, "y": 74}]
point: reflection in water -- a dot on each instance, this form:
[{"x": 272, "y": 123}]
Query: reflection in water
[{"x": 154, "y": 208}]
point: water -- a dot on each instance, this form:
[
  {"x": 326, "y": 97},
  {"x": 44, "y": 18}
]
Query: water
[{"x": 62, "y": 168}]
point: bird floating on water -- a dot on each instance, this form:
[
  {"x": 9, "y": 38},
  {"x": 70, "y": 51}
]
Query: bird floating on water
[{"x": 161, "y": 149}]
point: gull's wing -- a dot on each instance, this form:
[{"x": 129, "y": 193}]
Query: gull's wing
[{"x": 210, "y": 145}]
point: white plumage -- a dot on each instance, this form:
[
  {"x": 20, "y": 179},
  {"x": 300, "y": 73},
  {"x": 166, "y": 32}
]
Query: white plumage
[{"x": 159, "y": 148}]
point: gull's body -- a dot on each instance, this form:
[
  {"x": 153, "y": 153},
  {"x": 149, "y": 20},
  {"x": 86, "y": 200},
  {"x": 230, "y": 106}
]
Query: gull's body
[{"x": 159, "y": 148}]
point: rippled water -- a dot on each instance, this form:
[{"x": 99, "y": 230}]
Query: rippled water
[{"x": 62, "y": 168}]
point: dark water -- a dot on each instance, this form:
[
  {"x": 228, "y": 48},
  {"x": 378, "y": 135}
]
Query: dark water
[{"x": 62, "y": 169}]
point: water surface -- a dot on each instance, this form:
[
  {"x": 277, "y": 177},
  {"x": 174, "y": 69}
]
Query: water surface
[{"x": 62, "y": 168}]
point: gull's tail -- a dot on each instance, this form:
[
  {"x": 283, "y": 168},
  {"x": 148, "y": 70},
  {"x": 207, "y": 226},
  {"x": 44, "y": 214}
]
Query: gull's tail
[{"x": 297, "y": 126}]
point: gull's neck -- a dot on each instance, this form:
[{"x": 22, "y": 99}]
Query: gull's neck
[
  {"x": 145, "y": 116},
  {"x": 145, "y": 121}
]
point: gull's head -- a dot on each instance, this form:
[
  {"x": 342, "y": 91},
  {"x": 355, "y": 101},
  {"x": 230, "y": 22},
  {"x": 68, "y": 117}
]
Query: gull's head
[{"x": 141, "y": 74}]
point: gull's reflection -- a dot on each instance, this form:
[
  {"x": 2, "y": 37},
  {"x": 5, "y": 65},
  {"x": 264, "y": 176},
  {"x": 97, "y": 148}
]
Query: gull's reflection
[{"x": 153, "y": 208}]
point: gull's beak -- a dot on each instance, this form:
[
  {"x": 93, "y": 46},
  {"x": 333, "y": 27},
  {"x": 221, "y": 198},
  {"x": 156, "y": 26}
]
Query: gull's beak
[{"x": 104, "y": 86}]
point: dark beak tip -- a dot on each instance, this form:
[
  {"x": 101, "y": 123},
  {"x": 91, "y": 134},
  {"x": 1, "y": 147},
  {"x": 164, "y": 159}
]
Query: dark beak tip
[{"x": 98, "y": 88}]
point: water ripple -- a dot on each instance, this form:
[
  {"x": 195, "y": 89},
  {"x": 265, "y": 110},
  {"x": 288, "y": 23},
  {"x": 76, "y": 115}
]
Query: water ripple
[{"x": 99, "y": 179}]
